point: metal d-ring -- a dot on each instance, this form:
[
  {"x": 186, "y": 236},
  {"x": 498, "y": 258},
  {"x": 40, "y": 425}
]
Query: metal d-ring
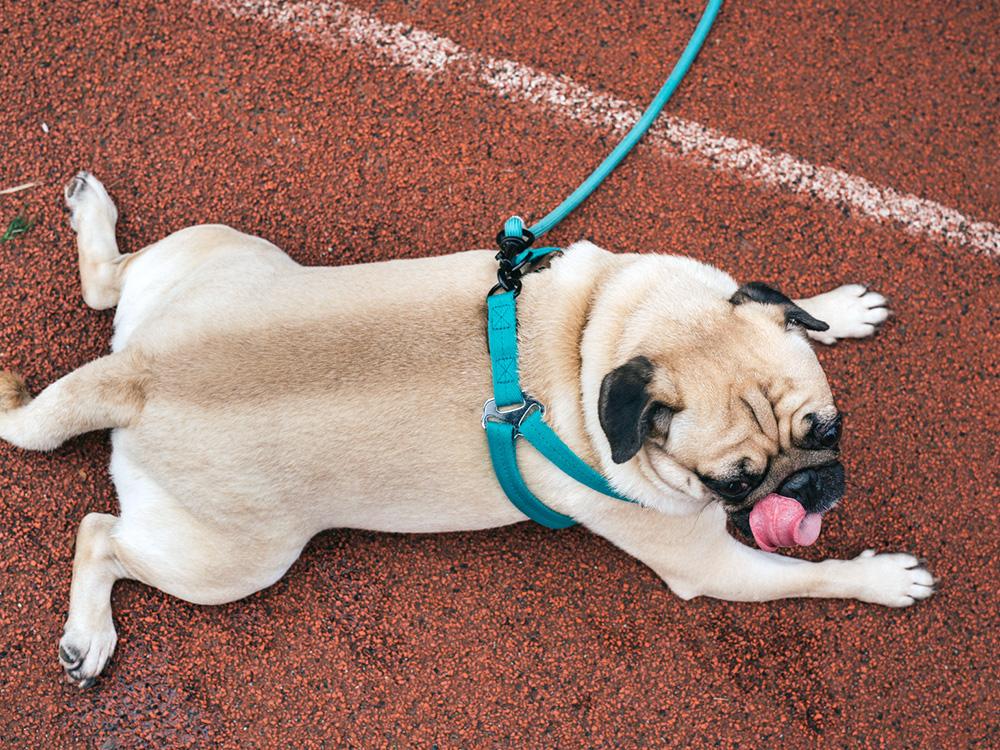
[{"x": 512, "y": 415}]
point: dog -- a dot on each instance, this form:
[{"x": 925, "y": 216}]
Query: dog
[{"x": 254, "y": 402}]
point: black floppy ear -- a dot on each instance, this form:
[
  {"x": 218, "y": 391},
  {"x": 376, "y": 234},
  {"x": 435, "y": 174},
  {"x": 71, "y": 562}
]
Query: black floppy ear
[
  {"x": 797, "y": 316},
  {"x": 757, "y": 291},
  {"x": 626, "y": 409}
]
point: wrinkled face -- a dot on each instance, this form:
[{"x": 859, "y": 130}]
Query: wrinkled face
[{"x": 735, "y": 409}]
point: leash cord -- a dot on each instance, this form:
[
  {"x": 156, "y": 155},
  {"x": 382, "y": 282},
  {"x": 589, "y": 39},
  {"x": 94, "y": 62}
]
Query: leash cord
[
  {"x": 627, "y": 143},
  {"x": 514, "y": 240}
]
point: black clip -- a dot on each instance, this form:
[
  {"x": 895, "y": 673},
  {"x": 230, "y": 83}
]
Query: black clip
[
  {"x": 511, "y": 247},
  {"x": 508, "y": 271}
]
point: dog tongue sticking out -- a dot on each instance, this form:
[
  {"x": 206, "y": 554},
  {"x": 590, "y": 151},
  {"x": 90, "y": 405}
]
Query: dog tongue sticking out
[{"x": 779, "y": 521}]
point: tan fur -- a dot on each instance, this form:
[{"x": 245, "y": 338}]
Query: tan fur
[
  {"x": 13, "y": 392},
  {"x": 256, "y": 402}
]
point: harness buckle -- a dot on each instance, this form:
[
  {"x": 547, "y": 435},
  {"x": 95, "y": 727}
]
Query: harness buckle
[{"x": 512, "y": 415}]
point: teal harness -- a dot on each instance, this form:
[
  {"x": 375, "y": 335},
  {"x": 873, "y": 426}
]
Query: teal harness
[{"x": 511, "y": 413}]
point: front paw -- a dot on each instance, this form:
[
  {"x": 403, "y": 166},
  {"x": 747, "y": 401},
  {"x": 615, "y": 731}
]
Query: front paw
[
  {"x": 852, "y": 311},
  {"x": 891, "y": 579},
  {"x": 13, "y": 391}
]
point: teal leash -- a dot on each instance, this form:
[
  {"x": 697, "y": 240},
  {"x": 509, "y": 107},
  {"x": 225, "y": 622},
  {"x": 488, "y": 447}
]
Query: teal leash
[
  {"x": 511, "y": 413},
  {"x": 638, "y": 130}
]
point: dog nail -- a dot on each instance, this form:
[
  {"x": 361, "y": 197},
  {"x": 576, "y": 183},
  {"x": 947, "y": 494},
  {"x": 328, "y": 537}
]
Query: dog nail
[{"x": 70, "y": 658}]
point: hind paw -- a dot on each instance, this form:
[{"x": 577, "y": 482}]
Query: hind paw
[
  {"x": 87, "y": 200},
  {"x": 83, "y": 655}
]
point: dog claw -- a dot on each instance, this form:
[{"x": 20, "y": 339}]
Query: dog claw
[
  {"x": 70, "y": 659},
  {"x": 77, "y": 184}
]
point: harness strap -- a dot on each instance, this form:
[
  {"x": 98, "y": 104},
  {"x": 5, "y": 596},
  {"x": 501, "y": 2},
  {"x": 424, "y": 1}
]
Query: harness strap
[
  {"x": 501, "y": 314},
  {"x": 512, "y": 414},
  {"x": 503, "y": 453},
  {"x": 504, "y": 413},
  {"x": 550, "y": 445}
]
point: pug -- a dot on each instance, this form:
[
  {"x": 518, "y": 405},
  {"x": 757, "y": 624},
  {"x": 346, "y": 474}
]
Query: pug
[{"x": 254, "y": 402}]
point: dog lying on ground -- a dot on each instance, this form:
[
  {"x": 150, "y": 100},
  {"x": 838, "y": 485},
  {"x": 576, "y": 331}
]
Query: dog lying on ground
[{"x": 254, "y": 402}]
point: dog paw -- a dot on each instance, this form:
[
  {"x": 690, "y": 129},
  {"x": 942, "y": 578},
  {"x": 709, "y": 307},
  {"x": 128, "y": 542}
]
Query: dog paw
[
  {"x": 891, "y": 579},
  {"x": 84, "y": 654},
  {"x": 87, "y": 200},
  {"x": 851, "y": 311},
  {"x": 13, "y": 391}
]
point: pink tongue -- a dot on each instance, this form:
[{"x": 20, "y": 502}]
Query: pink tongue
[{"x": 779, "y": 521}]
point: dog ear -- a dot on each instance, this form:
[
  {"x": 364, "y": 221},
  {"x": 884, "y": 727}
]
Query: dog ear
[
  {"x": 627, "y": 410},
  {"x": 757, "y": 291}
]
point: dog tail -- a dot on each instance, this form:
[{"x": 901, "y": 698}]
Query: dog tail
[{"x": 106, "y": 393}]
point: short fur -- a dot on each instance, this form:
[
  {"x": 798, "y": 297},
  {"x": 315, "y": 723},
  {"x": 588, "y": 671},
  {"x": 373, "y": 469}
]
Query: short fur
[{"x": 255, "y": 402}]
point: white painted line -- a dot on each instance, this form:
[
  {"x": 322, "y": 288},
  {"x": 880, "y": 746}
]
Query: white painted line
[{"x": 428, "y": 54}]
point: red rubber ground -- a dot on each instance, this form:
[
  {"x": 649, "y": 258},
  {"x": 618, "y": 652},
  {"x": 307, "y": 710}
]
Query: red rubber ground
[{"x": 520, "y": 637}]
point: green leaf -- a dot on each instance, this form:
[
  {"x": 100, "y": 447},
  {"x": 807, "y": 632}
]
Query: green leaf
[{"x": 18, "y": 226}]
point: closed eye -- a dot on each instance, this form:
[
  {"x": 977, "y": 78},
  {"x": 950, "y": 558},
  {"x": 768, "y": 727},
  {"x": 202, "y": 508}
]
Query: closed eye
[{"x": 731, "y": 489}]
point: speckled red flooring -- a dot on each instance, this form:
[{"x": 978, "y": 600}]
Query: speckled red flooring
[{"x": 519, "y": 637}]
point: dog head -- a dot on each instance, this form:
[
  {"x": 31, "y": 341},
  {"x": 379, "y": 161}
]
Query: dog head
[{"x": 720, "y": 399}]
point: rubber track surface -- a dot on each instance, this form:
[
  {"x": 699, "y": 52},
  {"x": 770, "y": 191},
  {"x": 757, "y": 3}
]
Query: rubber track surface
[{"x": 519, "y": 637}]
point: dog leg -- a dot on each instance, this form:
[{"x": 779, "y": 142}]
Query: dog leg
[
  {"x": 745, "y": 574},
  {"x": 93, "y": 217},
  {"x": 89, "y": 636},
  {"x": 707, "y": 561},
  {"x": 108, "y": 392},
  {"x": 851, "y": 311},
  {"x": 157, "y": 541}
]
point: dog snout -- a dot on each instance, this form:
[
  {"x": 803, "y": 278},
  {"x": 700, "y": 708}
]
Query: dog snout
[
  {"x": 802, "y": 483},
  {"x": 824, "y": 432},
  {"x": 817, "y": 488}
]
